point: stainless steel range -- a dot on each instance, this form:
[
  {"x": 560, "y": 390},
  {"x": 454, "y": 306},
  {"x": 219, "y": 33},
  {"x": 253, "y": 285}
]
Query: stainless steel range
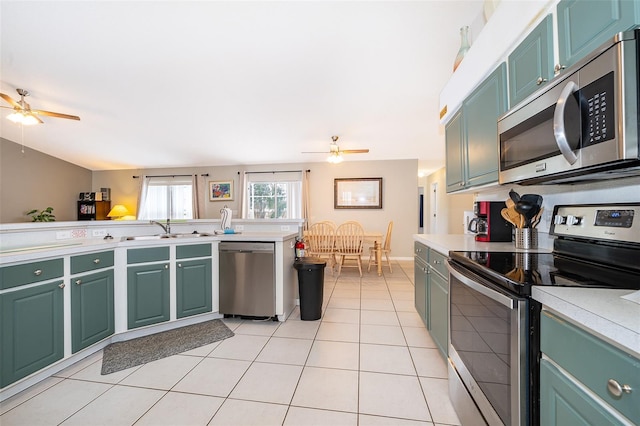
[{"x": 494, "y": 326}]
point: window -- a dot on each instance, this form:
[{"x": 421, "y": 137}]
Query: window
[
  {"x": 273, "y": 196},
  {"x": 166, "y": 197}
]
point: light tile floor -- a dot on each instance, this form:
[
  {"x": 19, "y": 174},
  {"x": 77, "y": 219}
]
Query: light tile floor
[{"x": 368, "y": 361}]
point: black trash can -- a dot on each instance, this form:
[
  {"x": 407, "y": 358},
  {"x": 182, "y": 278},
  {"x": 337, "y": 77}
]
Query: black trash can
[{"x": 310, "y": 286}]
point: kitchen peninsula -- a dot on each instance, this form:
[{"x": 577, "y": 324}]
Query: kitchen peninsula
[{"x": 48, "y": 272}]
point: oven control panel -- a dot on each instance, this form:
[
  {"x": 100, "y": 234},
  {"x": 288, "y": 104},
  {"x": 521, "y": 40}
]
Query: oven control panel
[{"x": 612, "y": 222}]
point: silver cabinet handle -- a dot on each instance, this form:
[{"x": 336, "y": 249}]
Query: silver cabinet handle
[
  {"x": 166, "y": 266},
  {"x": 61, "y": 285},
  {"x": 37, "y": 272},
  {"x": 616, "y": 389},
  {"x": 540, "y": 80},
  {"x": 179, "y": 265},
  {"x": 558, "y": 123},
  {"x": 78, "y": 282},
  {"x": 96, "y": 261},
  {"x": 558, "y": 68}
]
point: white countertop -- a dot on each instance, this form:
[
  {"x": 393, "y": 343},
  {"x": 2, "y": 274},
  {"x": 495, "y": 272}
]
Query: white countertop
[
  {"x": 443, "y": 243},
  {"x": 75, "y": 246},
  {"x": 602, "y": 311}
]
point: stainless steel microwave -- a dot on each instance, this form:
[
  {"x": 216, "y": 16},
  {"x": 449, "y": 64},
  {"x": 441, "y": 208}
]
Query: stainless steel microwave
[{"x": 583, "y": 125}]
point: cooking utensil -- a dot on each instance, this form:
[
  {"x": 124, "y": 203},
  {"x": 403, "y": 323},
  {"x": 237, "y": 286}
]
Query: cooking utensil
[
  {"x": 514, "y": 196},
  {"x": 511, "y": 216},
  {"x": 526, "y": 209},
  {"x": 536, "y": 201},
  {"x": 536, "y": 219}
]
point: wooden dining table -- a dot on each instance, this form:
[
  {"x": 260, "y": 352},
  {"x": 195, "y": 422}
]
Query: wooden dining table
[{"x": 374, "y": 238}]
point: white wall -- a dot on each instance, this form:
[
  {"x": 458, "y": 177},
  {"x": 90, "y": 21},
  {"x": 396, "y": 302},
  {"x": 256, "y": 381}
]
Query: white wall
[{"x": 448, "y": 209}]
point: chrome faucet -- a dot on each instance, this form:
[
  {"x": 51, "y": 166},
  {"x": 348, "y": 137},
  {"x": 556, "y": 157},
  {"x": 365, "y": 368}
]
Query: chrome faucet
[{"x": 166, "y": 228}]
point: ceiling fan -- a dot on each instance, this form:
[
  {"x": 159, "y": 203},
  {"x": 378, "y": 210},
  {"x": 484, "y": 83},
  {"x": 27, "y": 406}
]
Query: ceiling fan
[
  {"x": 335, "y": 153},
  {"x": 22, "y": 112}
]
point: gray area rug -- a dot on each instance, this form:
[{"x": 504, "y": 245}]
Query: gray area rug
[{"x": 122, "y": 355}]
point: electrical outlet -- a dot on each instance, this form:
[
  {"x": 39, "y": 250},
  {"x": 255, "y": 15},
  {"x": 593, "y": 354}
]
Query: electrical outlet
[
  {"x": 63, "y": 235},
  {"x": 239, "y": 227},
  {"x": 99, "y": 232},
  {"x": 284, "y": 227}
]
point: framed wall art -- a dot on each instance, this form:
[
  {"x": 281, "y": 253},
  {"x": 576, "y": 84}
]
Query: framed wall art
[
  {"x": 221, "y": 190},
  {"x": 357, "y": 193}
]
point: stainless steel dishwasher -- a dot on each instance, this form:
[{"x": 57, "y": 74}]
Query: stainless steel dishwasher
[{"x": 247, "y": 279}]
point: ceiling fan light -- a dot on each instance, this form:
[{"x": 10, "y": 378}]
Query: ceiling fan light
[
  {"x": 20, "y": 117},
  {"x": 335, "y": 158}
]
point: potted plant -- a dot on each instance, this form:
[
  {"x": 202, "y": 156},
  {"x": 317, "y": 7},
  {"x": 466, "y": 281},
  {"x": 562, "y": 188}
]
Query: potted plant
[{"x": 45, "y": 215}]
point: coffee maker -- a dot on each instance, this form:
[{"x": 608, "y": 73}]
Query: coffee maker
[{"x": 488, "y": 223}]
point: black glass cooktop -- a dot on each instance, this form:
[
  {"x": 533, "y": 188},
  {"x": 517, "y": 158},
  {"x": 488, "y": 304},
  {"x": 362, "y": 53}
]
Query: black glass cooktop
[{"x": 519, "y": 271}]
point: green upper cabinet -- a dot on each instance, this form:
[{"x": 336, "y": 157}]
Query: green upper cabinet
[
  {"x": 31, "y": 330},
  {"x": 480, "y": 112},
  {"x": 147, "y": 294},
  {"x": 454, "y": 151},
  {"x": 531, "y": 63},
  {"x": 583, "y": 25},
  {"x": 92, "y": 308},
  {"x": 194, "y": 287}
]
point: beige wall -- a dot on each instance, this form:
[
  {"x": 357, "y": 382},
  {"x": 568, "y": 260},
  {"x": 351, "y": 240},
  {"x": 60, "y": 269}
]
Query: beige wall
[
  {"x": 34, "y": 180},
  {"x": 400, "y": 193},
  {"x": 448, "y": 209}
]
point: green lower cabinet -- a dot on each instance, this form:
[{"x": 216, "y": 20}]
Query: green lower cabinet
[
  {"x": 194, "y": 287},
  {"x": 564, "y": 403},
  {"x": 439, "y": 311},
  {"x": 32, "y": 330},
  {"x": 147, "y": 294},
  {"x": 421, "y": 277},
  {"x": 92, "y": 309}
]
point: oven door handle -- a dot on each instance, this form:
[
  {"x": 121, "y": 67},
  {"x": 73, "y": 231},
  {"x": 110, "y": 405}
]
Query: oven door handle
[{"x": 492, "y": 294}]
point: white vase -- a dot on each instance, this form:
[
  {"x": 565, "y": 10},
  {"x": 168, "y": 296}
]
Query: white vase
[{"x": 464, "y": 46}]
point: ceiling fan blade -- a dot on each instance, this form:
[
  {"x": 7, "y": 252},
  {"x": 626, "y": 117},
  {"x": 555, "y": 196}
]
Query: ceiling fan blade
[
  {"x": 315, "y": 152},
  {"x": 354, "y": 151},
  {"x": 55, "y": 114},
  {"x": 11, "y": 101}
]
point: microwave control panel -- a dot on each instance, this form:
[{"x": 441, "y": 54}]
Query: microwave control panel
[{"x": 597, "y": 101}]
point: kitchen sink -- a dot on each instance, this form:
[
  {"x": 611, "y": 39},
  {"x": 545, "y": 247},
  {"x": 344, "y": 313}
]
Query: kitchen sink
[{"x": 166, "y": 236}]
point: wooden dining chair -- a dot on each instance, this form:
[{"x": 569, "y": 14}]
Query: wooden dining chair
[
  {"x": 322, "y": 242},
  {"x": 386, "y": 249},
  {"x": 349, "y": 244}
]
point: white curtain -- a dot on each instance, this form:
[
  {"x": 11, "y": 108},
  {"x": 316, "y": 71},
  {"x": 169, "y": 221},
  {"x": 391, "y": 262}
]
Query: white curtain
[
  {"x": 163, "y": 197},
  {"x": 244, "y": 196},
  {"x": 196, "y": 196},
  {"x": 306, "y": 202},
  {"x": 142, "y": 195}
]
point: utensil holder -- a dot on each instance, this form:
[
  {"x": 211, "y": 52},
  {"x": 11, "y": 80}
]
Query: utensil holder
[{"x": 526, "y": 238}]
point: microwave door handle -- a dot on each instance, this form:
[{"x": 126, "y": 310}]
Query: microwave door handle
[{"x": 558, "y": 123}]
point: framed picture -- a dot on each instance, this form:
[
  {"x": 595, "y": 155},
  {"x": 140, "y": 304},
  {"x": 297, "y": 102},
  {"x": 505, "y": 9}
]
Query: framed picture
[
  {"x": 360, "y": 193},
  {"x": 221, "y": 190}
]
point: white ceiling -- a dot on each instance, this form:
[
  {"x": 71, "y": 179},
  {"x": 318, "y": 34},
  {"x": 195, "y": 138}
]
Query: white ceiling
[{"x": 205, "y": 83}]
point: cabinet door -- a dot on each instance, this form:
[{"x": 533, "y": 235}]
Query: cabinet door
[
  {"x": 563, "y": 402},
  {"x": 91, "y": 309},
  {"x": 531, "y": 63},
  {"x": 439, "y": 311},
  {"x": 480, "y": 113},
  {"x": 147, "y": 294},
  {"x": 583, "y": 25},
  {"x": 454, "y": 153},
  {"x": 420, "y": 278},
  {"x": 32, "y": 330},
  {"x": 193, "y": 286}
]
